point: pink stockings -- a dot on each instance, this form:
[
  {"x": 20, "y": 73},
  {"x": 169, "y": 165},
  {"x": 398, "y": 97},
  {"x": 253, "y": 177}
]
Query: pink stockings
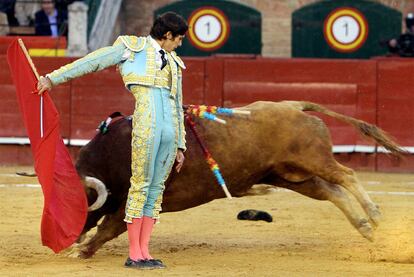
[
  {"x": 134, "y": 231},
  {"x": 146, "y": 230},
  {"x": 139, "y": 234}
]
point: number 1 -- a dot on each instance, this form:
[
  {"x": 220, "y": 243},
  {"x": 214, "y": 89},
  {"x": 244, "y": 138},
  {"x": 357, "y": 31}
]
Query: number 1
[
  {"x": 346, "y": 28},
  {"x": 208, "y": 28}
]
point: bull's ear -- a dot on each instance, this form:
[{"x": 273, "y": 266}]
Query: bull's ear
[{"x": 115, "y": 114}]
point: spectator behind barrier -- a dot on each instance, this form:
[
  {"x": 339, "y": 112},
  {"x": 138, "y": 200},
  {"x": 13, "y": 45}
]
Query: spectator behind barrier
[
  {"x": 403, "y": 46},
  {"x": 25, "y": 11},
  {"x": 7, "y": 7},
  {"x": 49, "y": 21}
]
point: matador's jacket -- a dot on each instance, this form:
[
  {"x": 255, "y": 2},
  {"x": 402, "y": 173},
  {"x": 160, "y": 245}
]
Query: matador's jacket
[{"x": 158, "y": 119}]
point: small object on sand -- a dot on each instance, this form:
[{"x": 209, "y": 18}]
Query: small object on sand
[
  {"x": 254, "y": 215},
  {"x": 26, "y": 174}
]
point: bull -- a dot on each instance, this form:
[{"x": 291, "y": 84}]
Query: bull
[{"x": 279, "y": 145}]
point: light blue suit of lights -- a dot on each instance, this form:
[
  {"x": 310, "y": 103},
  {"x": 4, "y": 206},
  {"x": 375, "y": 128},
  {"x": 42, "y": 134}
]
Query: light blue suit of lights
[{"x": 158, "y": 120}]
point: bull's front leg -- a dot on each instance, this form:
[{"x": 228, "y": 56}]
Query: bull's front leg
[
  {"x": 111, "y": 227},
  {"x": 91, "y": 222}
]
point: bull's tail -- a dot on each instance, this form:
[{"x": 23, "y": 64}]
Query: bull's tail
[{"x": 363, "y": 127}]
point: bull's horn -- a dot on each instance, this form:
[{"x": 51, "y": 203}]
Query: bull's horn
[{"x": 100, "y": 188}]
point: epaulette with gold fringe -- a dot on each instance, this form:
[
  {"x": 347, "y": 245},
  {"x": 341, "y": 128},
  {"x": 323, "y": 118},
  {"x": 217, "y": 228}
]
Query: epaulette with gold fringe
[{"x": 133, "y": 43}]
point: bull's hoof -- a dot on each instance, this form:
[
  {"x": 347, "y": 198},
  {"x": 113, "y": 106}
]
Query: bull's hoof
[
  {"x": 73, "y": 252},
  {"x": 84, "y": 254},
  {"x": 365, "y": 229},
  {"x": 254, "y": 215},
  {"x": 375, "y": 216},
  {"x": 77, "y": 252}
]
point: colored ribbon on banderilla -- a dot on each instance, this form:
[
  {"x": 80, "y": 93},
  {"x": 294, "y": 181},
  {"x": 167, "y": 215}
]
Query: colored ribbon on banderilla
[{"x": 209, "y": 112}]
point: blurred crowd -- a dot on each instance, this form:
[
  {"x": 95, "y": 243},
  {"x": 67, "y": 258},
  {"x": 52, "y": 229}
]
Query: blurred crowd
[
  {"x": 403, "y": 46},
  {"x": 48, "y": 17}
]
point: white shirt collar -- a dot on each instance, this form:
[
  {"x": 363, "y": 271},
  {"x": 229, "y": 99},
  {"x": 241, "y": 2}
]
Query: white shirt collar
[{"x": 155, "y": 45}]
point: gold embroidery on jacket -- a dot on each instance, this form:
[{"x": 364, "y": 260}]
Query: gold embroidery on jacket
[
  {"x": 133, "y": 43},
  {"x": 178, "y": 60},
  {"x": 150, "y": 63},
  {"x": 174, "y": 75},
  {"x": 163, "y": 77}
]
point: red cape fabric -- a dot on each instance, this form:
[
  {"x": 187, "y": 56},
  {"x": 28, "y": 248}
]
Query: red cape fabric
[{"x": 65, "y": 203}]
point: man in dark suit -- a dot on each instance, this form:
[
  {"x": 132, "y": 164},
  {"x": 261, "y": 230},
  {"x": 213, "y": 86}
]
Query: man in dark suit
[
  {"x": 7, "y": 7},
  {"x": 403, "y": 46},
  {"x": 49, "y": 21}
]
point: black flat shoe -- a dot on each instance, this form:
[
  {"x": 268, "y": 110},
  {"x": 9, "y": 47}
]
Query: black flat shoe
[
  {"x": 157, "y": 263},
  {"x": 141, "y": 264}
]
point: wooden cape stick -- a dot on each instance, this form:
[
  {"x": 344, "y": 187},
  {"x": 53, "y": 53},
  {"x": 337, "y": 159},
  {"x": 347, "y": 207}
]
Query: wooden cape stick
[{"x": 29, "y": 59}]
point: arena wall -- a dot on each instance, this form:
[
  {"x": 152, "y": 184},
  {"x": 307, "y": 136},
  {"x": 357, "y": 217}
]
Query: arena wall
[
  {"x": 377, "y": 91},
  {"x": 276, "y": 19}
]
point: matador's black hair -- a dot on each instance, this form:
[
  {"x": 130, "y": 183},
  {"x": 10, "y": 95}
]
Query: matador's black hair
[{"x": 169, "y": 21}]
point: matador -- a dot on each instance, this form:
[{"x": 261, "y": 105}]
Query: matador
[{"x": 152, "y": 72}]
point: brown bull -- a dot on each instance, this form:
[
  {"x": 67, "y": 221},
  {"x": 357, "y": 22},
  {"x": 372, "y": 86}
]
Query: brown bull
[{"x": 278, "y": 144}]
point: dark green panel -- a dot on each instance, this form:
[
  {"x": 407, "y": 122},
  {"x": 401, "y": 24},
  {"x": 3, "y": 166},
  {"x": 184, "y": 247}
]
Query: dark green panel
[
  {"x": 307, "y": 29},
  {"x": 93, "y": 7},
  {"x": 245, "y": 26}
]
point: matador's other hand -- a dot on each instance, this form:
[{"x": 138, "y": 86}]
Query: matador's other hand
[
  {"x": 180, "y": 160},
  {"x": 44, "y": 84}
]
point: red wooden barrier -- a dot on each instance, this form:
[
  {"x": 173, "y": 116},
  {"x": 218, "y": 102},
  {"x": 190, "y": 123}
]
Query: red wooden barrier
[
  {"x": 94, "y": 97},
  {"x": 335, "y": 84},
  {"x": 193, "y": 81},
  {"x": 372, "y": 90},
  {"x": 395, "y": 108}
]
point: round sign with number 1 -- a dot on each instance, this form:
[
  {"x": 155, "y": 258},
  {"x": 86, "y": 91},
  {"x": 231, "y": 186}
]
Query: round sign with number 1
[
  {"x": 209, "y": 28},
  {"x": 345, "y": 29}
]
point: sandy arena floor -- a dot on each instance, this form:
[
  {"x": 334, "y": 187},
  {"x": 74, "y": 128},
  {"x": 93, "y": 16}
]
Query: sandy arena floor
[{"x": 306, "y": 238}]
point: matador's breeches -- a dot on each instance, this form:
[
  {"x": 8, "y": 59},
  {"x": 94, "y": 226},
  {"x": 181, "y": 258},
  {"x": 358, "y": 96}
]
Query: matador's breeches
[{"x": 154, "y": 148}]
